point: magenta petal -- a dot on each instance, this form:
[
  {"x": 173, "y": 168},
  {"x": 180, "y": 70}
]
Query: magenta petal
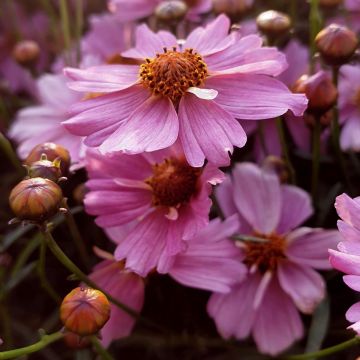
[
  {"x": 305, "y": 286},
  {"x": 348, "y": 209},
  {"x": 273, "y": 338},
  {"x": 153, "y": 126},
  {"x": 207, "y": 131},
  {"x": 296, "y": 208},
  {"x": 257, "y": 197},
  {"x": 255, "y": 96},
  {"x": 348, "y": 232},
  {"x": 349, "y": 264}
]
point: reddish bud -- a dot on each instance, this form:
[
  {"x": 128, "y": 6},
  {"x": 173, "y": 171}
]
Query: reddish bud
[
  {"x": 336, "y": 44},
  {"x": 277, "y": 166},
  {"x": 52, "y": 152},
  {"x": 35, "y": 200},
  {"x": 26, "y": 52},
  {"x": 85, "y": 311},
  {"x": 325, "y": 119},
  {"x": 74, "y": 341},
  {"x": 45, "y": 169},
  {"x": 320, "y": 91},
  {"x": 330, "y": 3},
  {"x": 234, "y": 9},
  {"x": 273, "y": 23},
  {"x": 173, "y": 10}
]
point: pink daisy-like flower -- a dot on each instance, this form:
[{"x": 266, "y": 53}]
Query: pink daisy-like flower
[
  {"x": 43, "y": 122},
  {"x": 347, "y": 258},
  {"x": 280, "y": 277},
  {"x": 136, "y": 9},
  {"x": 194, "y": 92},
  {"x": 162, "y": 199},
  {"x": 349, "y": 106}
]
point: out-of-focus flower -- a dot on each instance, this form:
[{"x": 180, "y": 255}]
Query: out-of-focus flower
[
  {"x": 214, "y": 78},
  {"x": 137, "y": 9},
  {"x": 349, "y": 106},
  {"x": 233, "y": 9},
  {"x": 43, "y": 123},
  {"x": 165, "y": 200},
  {"x": 353, "y": 7},
  {"x": 280, "y": 260},
  {"x": 347, "y": 257},
  {"x": 273, "y": 24},
  {"x": 126, "y": 287},
  {"x": 84, "y": 311}
]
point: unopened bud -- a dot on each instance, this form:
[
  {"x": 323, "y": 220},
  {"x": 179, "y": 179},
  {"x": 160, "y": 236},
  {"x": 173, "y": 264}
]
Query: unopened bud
[
  {"x": 336, "y": 44},
  {"x": 45, "y": 169},
  {"x": 320, "y": 91},
  {"x": 35, "y": 199},
  {"x": 325, "y": 119},
  {"x": 330, "y": 3},
  {"x": 172, "y": 11},
  {"x": 273, "y": 23},
  {"x": 74, "y": 341},
  {"x": 52, "y": 152},
  {"x": 234, "y": 9},
  {"x": 85, "y": 311},
  {"x": 26, "y": 52},
  {"x": 277, "y": 166}
]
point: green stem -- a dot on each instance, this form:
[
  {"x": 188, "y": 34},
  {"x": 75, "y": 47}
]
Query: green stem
[
  {"x": 325, "y": 352},
  {"x": 42, "y": 343},
  {"x": 65, "y": 24},
  {"x": 103, "y": 353},
  {"x": 78, "y": 29},
  {"x": 315, "y": 27},
  {"x": 284, "y": 149},
  {"x": 6, "y": 324},
  {"x": 315, "y": 158},
  {"x": 10, "y": 153}
]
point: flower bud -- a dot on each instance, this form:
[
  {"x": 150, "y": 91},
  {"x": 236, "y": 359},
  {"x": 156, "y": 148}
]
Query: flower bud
[
  {"x": 74, "y": 341},
  {"x": 26, "y": 52},
  {"x": 273, "y": 23},
  {"x": 330, "y": 3},
  {"x": 234, "y": 9},
  {"x": 325, "y": 119},
  {"x": 320, "y": 91},
  {"x": 35, "y": 199},
  {"x": 52, "y": 152},
  {"x": 277, "y": 166},
  {"x": 336, "y": 44},
  {"x": 172, "y": 11},
  {"x": 45, "y": 169},
  {"x": 85, "y": 311}
]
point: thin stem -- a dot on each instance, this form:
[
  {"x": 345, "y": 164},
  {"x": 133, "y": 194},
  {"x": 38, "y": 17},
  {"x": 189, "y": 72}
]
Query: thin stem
[
  {"x": 41, "y": 265},
  {"x": 78, "y": 29},
  {"x": 5, "y": 324},
  {"x": 285, "y": 150},
  {"x": 260, "y": 129},
  {"x": 315, "y": 26},
  {"x": 60, "y": 255},
  {"x": 65, "y": 24},
  {"x": 10, "y": 153},
  {"x": 315, "y": 158},
  {"x": 42, "y": 343},
  {"x": 325, "y": 352},
  {"x": 293, "y": 10},
  {"x": 102, "y": 352}
]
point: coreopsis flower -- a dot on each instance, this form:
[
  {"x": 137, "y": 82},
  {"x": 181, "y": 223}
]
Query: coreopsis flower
[
  {"x": 159, "y": 195},
  {"x": 126, "y": 287},
  {"x": 193, "y": 91},
  {"x": 280, "y": 260},
  {"x": 138, "y": 9},
  {"x": 43, "y": 122},
  {"x": 349, "y": 107},
  {"x": 347, "y": 257}
]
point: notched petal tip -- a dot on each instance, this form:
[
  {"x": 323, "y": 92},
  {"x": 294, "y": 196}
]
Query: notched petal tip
[{"x": 205, "y": 94}]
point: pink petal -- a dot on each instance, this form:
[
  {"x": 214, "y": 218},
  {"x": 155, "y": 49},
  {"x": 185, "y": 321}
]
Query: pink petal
[
  {"x": 349, "y": 264},
  {"x": 255, "y": 96},
  {"x": 296, "y": 208},
  {"x": 257, "y": 197},
  {"x": 126, "y": 10},
  {"x": 225, "y": 198},
  {"x": 348, "y": 209},
  {"x": 304, "y": 285},
  {"x": 300, "y": 133},
  {"x": 152, "y": 126},
  {"x": 207, "y": 131},
  {"x": 352, "y": 281},
  {"x": 274, "y": 337},
  {"x": 309, "y": 247},
  {"x": 353, "y": 314},
  {"x": 348, "y": 232}
]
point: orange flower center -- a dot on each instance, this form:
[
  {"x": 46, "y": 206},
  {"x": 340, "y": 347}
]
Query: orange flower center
[
  {"x": 265, "y": 255},
  {"x": 173, "y": 182},
  {"x": 172, "y": 73}
]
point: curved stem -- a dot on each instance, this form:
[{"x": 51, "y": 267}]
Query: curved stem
[
  {"x": 102, "y": 352},
  {"x": 42, "y": 343},
  {"x": 325, "y": 352}
]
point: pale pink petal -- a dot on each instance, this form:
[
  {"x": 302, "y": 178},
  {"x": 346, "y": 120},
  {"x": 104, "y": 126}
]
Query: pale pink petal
[
  {"x": 126, "y": 10},
  {"x": 309, "y": 247},
  {"x": 352, "y": 281},
  {"x": 257, "y": 197},
  {"x": 348, "y": 232},
  {"x": 205, "y": 94},
  {"x": 296, "y": 208},
  {"x": 353, "y": 314},
  {"x": 348, "y": 209},
  {"x": 261, "y": 290},
  {"x": 304, "y": 285},
  {"x": 255, "y": 96},
  {"x": 349, "y": 264},
  {"x": 300, "y": 133},
  {"x": 278, "y": 324},
  {"x": 350, "y": 134},
  {"x": 207, "y": 131},
  {"x": 152, "y": 126},
  {"x": 225, "y": 197}
]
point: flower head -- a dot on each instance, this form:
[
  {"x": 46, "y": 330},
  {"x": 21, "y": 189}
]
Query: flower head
[
  {"x": 193, "y": 91},
  {"x": 160, "y": 196},
  {"x": 279, "y": 259}
]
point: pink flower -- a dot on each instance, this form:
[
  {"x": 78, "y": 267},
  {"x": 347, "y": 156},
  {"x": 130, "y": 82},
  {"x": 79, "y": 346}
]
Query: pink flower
[
  {"x": 214, "y": 78},
  {"x": 353, "y": 7},
  {"x": 136, "y": 9},
  {"x": 347, "y": 258},
  {"x": 43, "y": 123},
  {"x": 126, "y": 287},
  {"x": 280, "y": 277},
  {"x": 349, "y": 106},
  {"x": 156, "y": 199}
]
